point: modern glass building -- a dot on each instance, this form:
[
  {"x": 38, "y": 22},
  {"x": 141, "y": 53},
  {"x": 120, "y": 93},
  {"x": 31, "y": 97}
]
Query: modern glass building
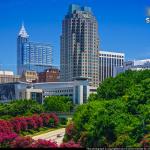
[
  {"x": 22, "y": 38},
  {"x": 79, "y": 57},
  {"x": 37, "y": 56},
  {"x": 32, "y": 56}
]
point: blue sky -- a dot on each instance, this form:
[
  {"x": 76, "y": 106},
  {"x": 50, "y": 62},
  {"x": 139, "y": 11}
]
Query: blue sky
[{"x": 122, "y": 26}]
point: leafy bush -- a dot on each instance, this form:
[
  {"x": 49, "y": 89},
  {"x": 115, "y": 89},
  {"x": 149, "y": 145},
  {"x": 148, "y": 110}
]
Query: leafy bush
[
  {"x": 6, "y": 138},
  {"x": 5, "y": 126},
  {"x": 146, "y": 141},
  {"x": 22, "y": 142},
  {"x": 70, "y": 144},
  {"x": 44, "y": 144},
  {"x": 63, "y": 120}
]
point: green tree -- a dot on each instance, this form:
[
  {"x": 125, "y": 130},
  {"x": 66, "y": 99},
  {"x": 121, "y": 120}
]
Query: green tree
[
  {"x": 92, "y": 97},
  {"x": 58, "y": 103},
  {"x": 20, "y": 107},
  {"x": 118, "y": 115}
]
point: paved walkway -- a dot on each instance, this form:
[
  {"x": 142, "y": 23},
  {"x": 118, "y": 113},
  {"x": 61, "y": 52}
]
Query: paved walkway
[{"x": 52, "y": 135}]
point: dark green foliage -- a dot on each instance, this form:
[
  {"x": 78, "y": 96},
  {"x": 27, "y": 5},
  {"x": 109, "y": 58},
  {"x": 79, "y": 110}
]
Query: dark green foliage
[
  {"x": 58, "y": 104},
  {"x": 30, "y": 107},
  {"x": 116, "y": 87},
  {"x": 20, "y": 107},
  {"x": 119, "y": 115},
  {"x": 92, "y": 97},
  {"x": 63, "y": 120}
]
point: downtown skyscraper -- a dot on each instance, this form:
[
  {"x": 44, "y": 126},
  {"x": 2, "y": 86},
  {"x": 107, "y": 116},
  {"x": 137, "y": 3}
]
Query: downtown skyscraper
[
  {"x": 22, "y": 38},
  {"x": 79, "y": 46},
  {"x": 32, "y": 56}
]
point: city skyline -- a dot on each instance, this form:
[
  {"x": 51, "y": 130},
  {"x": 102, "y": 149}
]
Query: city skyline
[{"x": 46, "y": 26}]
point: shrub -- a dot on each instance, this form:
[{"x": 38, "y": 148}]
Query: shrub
[
  {"x": 70, "y": 144},
  {"x": 6, "y": 138},
  {"x": 45, "y": 117},
  {"x": 70, "y": 130},
  {"x": 63, "y": 121},
  {"x": 56, "y": 119},
  {"x": 22, "y": 142},
  {"x": 38, "y": 120},
  {"x": 19, "y": 124},
  {"x": 44, "y": 144},
  {"x": 5, "y": 126},
  {"x": 146, "y": 141}
]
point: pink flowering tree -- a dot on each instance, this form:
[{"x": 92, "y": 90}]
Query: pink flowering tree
[
  {"x": 22, "y": 142},
  {"x": 70, "y": 144},
  {"x": 46, "y": 118},
  {"x": 5, "y": 126},
  {"x": 55, "y": 118},
  {"x": 38, "y": 120},
  {"x": 6, "y": 138},
  {"x": 40, "y": 143}
]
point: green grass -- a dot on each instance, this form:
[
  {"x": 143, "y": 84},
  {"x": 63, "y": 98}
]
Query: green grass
[{"x": 41, "y": 131}]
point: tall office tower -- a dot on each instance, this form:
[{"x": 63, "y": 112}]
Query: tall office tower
[
  {"x": 108, "y": 63},
  {"x": 32, "y": 56},
  {"x": 79, "y": 57},
  {"x": 23, "y": 37},
  {"x": 37, "y": 56}
]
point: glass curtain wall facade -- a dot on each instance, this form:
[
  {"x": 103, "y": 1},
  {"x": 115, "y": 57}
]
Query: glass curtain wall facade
[
  {"x": 22, "y": 38},
  {"x": 37, "y": 56},
  {"x": 32, "y": 56}
]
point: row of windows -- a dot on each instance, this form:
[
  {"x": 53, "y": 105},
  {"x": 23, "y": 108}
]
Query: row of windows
[
  {"x": 107, "y": 55},
  {"x": 60, "y": 91}
]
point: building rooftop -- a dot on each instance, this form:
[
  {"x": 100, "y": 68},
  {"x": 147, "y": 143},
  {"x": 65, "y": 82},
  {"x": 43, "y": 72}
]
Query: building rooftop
[
  {"x": 141, "y": 62},
  {"x": 6, "y": 73},
  {"x": 23, "y": 32},
  {"x": 111, "y": 53},
  {"x": 74, "y": 7}
]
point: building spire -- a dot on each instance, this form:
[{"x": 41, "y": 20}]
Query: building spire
[{"x": 23, "y": 32}]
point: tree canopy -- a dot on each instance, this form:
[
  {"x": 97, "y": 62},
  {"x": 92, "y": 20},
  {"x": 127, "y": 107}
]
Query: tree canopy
[
  {"x": 58, "y": 104},
  {"x": 20, "y": 107},
  {"x": 118, "y": 115}
]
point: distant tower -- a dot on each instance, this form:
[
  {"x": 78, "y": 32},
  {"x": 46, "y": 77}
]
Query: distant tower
[
  {"x": 32, "y": 56},
  {"x": 79, "y": 55},
  {"x": 22, "y": 38}
]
